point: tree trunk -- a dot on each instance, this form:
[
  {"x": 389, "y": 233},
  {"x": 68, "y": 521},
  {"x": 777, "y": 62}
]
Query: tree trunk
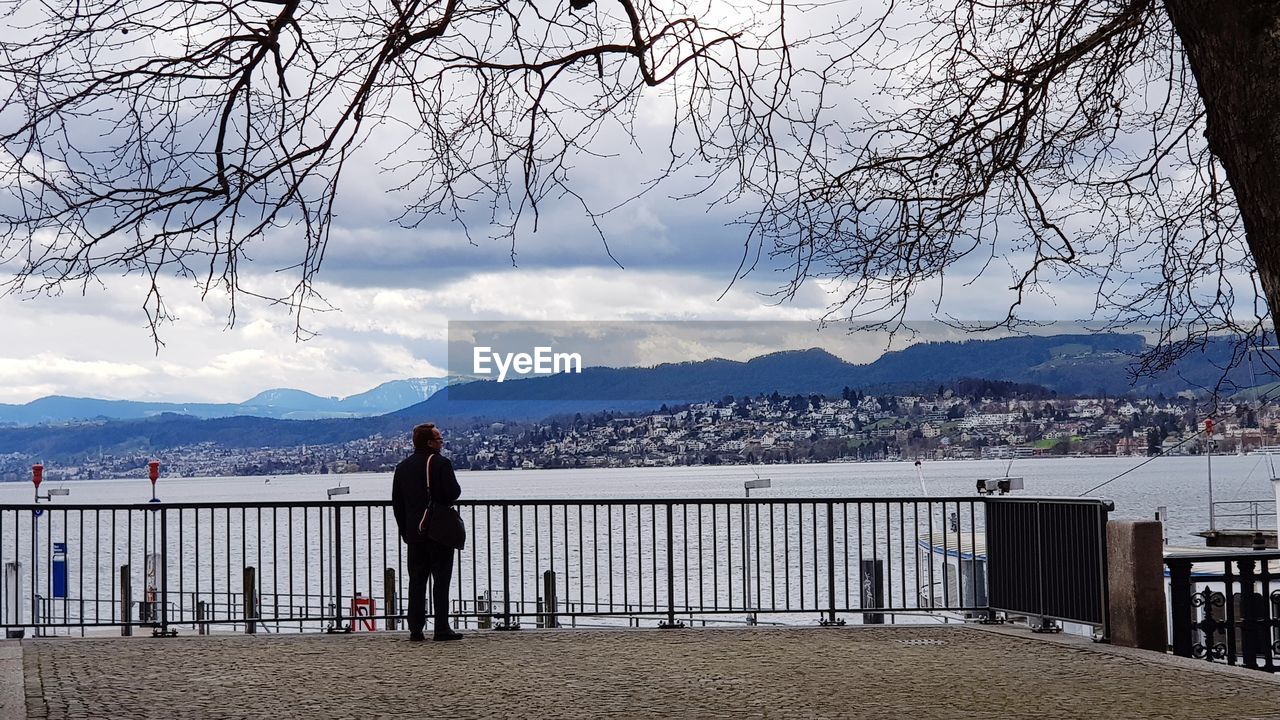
[{"x": 1234, "y": 51}]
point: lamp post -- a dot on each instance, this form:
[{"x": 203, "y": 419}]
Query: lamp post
[
  {"x": 335, "y": 625},
  {"x": 37, "y": 477},
  {"x": 758, "y": 484},
  {"x": 1208, "y": 456},
  {"x": 153, "y": 472}
]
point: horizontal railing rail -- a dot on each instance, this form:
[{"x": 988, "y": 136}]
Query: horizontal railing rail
[
  {"x": 1225, "y": 607},
  {"x": 1245, "y": 514},
  {"x": 340, "y": 566}
]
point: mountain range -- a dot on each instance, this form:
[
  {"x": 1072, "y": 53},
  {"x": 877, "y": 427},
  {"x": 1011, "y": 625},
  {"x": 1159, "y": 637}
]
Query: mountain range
[
  {"x": 1066, "y": 364},
  {"x": 279, "y": 403}
]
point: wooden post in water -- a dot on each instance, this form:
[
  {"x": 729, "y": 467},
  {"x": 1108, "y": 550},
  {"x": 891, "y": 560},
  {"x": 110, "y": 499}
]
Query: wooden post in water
[
  {"x": 250, "y": 601},
  {"x": 126, "y": 604},
  {"x": 389, "y": 586},
  {"x": 201, "y": 626}
]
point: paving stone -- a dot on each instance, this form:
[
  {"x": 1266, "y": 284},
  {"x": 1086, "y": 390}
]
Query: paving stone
[{"x": 918, "y": 672}]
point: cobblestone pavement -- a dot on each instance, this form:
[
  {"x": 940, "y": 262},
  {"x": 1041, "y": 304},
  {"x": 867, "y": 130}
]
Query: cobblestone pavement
[{"x": 942, "y": 672}]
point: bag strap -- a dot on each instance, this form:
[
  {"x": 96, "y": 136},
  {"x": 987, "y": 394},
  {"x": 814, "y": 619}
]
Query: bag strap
[{"x": 429, "y": 497}]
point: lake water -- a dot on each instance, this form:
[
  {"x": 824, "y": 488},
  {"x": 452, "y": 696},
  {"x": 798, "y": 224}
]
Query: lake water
[{"x": 1180, "y": 483}]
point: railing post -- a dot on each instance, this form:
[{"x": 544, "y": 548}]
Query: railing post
[
  {"x": 250, "y": 601},
  {"x": 337, "y": 569},
  {"x": 202, "y": 627},
  {"x": 1180, "y": 605},
  {"x": 389, "y": 590},
  {"x": 126, "y": 604},
  {"x": 671, "y": 575},
  {"x": 550, "y": 603},
  {"x": 1249, "y": 615},
  {"x": 506, "y": 567},
  {"x": 163, "y": 629},
  {"x": 831, "y": 567}
]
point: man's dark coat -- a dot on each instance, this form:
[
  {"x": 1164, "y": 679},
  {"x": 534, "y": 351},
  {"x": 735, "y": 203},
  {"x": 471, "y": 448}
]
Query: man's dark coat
[{"x": 409, "y": 491}]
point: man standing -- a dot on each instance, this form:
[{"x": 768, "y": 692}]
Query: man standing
[{"x": 411, "y": 492}]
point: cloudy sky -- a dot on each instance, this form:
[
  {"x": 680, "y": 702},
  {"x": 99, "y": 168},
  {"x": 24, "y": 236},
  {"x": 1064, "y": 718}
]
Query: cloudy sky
[{"x": 393, "y": 291}]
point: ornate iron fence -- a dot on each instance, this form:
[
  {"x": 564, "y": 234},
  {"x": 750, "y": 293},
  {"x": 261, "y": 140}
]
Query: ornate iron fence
[{"x": 1225, "y": 607}]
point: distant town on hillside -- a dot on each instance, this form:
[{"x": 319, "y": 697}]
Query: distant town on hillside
[{"x": 971, "y": 419}]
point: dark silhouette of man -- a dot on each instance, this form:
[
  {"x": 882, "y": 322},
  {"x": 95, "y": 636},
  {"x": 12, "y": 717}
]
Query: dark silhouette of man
[{"x": 427, "y": 559}]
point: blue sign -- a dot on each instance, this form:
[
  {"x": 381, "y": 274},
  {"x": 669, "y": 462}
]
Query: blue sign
[
  {"x": 60, "y": 548},
  {"x": 37, "y": 513},
  {"x": 60, "y": 576}
]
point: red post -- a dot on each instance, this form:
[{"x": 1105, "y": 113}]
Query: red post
[
  {"x": 153, "y": 472},
  {"x": 37, "y": 474}
]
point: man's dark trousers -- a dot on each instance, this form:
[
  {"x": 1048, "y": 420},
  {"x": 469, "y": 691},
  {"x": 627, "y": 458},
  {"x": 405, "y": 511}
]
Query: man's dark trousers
[{"x": 429, "y": 559}]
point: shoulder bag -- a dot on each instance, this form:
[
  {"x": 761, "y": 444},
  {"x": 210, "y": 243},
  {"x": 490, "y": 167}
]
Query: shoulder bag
[{"x": 442, "y": 523}]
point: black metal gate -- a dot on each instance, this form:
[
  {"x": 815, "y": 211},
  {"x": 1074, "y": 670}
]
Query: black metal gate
[{"x": 1047, "y": 557}]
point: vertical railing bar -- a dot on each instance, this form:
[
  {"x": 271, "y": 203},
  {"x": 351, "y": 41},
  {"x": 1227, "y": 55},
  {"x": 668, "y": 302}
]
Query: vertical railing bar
[
  {"x": 915, "y": 558},
  {"x": 755, "y": 513},
  {"x": 626, "y": 576},
  {"x": 973, "y": 543},
  {"x": 582, "y": 564},
  {"x": 671, "y": 578},
  {"x": 506, "y": 567},
  {"x": 715, "y": 558},
  {"x": 702, "y": 575},
  {"x": 568, "y": 591},
  {"x": 786, "y": 553},
  {"x": 128, "y": 553},
  {"x": 387, "y": 591},
  {"x": 164, "y": 573},
  {"x": 537, "y": 556},
  {"x": 292, "y": 596},
  {"x": 488, "y": 556},
  {"x": 1265, "y": 607},
  {"x": 306, "y": 561},
  {"x": 814, "y": 552},
  {"x": 244, "y": 558},
  {"x": 684, "y": 549},
  {"x": 901, "y": 551},
  {"x": 368, "y": 555},
  {"x": 4, "y": 606},
  {"x": 831, "y": 562},
  {"x": 875, "y": 552},
  {"x": 653, "y": 551},
  {"x": 1228, "y": 601},
  {"x": 551, "y": 545},
  {"x": 844, "y": 517},
  {"x": 80, "y": 563},
  {"x": 522, "y": 550},
  {"x": 609, "y": 556},
  {"x": 929, "y": 559},
  {"x": 728, "y": 554},
  {"x": 595, "y": 556}
]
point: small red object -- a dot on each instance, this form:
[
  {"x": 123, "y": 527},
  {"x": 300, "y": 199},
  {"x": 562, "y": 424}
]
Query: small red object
[
  {"x": 153, "y": 470},
  {"x": 1208, "y": 426},
  {"x": 37, "y": 474}
]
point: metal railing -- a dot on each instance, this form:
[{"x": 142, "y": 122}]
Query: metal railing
[
  {"x": 1247, "y": 514},
  {"x": 340, "y": 566},
  {"x": 1226, "y": 607}
]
